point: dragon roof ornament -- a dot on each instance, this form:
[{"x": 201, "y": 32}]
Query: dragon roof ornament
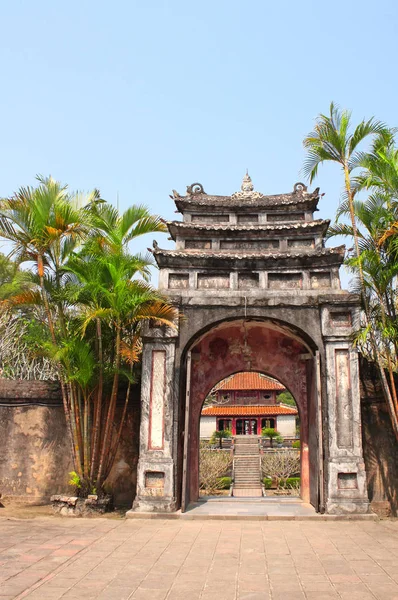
[{"x": 247, "y": 189}]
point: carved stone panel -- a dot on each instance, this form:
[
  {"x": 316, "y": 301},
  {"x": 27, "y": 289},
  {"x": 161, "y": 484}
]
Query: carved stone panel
[
  {"x": 347, "y": 481},
  {"x": 157, "y": 399},
  {"x": 178, "y": 281},
  {"x": 281, "y": 217},
  {"x": 248, "y": 281},
  {"x": 210, "y": 218},
  {"x": 247, "y": 219},
  {"x": 285, "y": 281},
  {"x": 301, "y": 243},
  {"x": 154, "y": 479},
  {"x": 198, "y": 244},
  {"x": 320, "y": 280},
  {"x": 340, "y": 319},
  {"x": 248, "y": 244},
  {"x": 344, "y": 412},
  {"x": 216, "y": 281}
]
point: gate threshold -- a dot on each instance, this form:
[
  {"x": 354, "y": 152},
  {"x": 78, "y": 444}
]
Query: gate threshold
[{"x": 251, "y": 509}]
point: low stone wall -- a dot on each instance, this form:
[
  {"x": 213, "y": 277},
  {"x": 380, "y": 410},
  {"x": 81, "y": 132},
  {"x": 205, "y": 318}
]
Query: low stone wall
[
  {"x": 380, "y": 447},
  {"x": 34, "y": 448}
]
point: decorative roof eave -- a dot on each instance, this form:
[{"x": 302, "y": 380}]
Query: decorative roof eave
[
  {"x": 325, "y": 257},
  {"x": 250, "y": 409},
  {"x": 247, "y": 197},
  {"x": 182, "y": 227},
  {"x": 281, "y": 201}
]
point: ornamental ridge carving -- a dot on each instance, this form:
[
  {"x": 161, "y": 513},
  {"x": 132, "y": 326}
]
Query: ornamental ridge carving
[
  {"x": 194, "y": 189},
  {"x": 300, "y": 188},
  {"x": 247, "y": 190}
]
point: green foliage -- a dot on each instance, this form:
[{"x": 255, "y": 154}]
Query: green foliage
[
  {"x": 225, "y": 483},
  {"x": 289, "y": 482},
  {"x": 269, "y": 432},
  {"x": 75, "y": 480},
  {"x": 272, "y": 434},
  {"x": 372, "y": 225},
  {"x": 286, "y": 398},
  {"x": 220, "y": 435},
  {"x": 296, "y": 444},
  {"x": 92, "y": 295}
]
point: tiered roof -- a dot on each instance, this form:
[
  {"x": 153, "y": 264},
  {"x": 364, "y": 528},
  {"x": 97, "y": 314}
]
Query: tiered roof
[
  {"x": 249, "y": 232},
  {"x": 249, "y": 381},
  {"x": 181, "y": 227},
  {"x": 248, "y": 410},
  {"x": 250, "y": 258},
  {"x": 247, "y": 198}
]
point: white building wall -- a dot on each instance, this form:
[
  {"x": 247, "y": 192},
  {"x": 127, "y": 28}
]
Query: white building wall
[
  {"x": 286, "y": 425},
  {"x": 207, "y": 426}
]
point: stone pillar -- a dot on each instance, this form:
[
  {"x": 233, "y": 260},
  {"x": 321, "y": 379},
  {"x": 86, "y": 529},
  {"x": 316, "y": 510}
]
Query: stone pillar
[
  {"x": 346, "y": 490},
  {"x": 156, "y": 465}
]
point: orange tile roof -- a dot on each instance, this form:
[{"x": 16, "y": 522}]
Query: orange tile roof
[
  {"x": 243, "y": 411},
  {"x": 249, "y": 381}
]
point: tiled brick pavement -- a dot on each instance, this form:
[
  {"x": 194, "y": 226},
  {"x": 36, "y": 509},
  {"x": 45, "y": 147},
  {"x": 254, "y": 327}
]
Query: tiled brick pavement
[{"x": 105, "y": 559}]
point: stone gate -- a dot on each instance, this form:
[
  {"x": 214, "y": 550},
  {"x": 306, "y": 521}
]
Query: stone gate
[{"x": 257, "y": 291}]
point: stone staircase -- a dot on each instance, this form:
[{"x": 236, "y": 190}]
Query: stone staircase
[{"x": 247, "y": 467}]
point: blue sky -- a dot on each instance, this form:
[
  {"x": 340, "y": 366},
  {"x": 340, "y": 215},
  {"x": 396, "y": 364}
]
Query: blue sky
[{"x": 137, "y": 98}]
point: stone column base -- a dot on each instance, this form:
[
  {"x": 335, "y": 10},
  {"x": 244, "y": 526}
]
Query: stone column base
[
  {"x": 347, "y": 488},
  {"x": 147, "y": 504},
  {"x": 155, "y": 485},
  {"x": 342, "y": 506}
]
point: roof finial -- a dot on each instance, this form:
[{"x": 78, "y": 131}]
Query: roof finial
[{"x": 247, "y": 184}]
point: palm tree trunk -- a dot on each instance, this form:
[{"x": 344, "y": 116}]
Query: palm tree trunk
[
  {"x": 85, "y": 437},
  {"x": 113, "y": 451},
  {"x": 66, "y": 390},
  {"x": 111, "y": 411},
  {"x": 98, "y": 404},
  {"x": 75, "y": 437},
  {"x": 67, "y": 412},
  {"x": 388, "y": 352}
]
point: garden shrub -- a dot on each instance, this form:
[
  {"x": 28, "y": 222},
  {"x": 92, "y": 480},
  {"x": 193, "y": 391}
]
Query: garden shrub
[{"x": 225, "y": 482}]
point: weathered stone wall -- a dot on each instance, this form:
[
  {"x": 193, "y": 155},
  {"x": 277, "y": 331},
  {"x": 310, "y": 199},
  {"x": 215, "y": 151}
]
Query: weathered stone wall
[
  {"x": 34, "y": 447},
  {"x": 380, "y": 447}
]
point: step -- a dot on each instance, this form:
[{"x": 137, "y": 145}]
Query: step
[
  {"x": 252, "y": 485},
  {"x": 247, "y": 468}
]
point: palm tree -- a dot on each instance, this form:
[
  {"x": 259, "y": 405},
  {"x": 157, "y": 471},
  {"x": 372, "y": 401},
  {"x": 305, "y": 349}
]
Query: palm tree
[
  {"x": 221, "y": 435},
  {"x": 95, "y": 301},
  {"x": 42, "y": 223},
  {"x": 379, "y": 270},
  {"x": 333, "y": 141},
  {"x": 109, "y": 296}
]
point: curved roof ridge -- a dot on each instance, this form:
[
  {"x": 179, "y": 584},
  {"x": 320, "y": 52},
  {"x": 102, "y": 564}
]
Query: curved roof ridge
[{"x": 249, "y": 380}]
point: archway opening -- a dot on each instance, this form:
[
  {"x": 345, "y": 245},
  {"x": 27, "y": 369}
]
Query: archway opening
[
  {"x": 249, "y": 439},
  {"x": 251, "y": 345}
]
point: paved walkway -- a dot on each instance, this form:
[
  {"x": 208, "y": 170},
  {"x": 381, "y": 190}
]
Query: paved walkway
[{"x": 109, "y": 559}]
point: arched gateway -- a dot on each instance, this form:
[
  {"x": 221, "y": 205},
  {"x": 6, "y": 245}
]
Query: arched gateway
[{"x": 258, "y": 291}]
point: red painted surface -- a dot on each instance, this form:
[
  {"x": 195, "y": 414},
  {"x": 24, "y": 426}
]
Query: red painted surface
[
  {"x": 249, "y": 411},
  {"x": 247, "y": 346}
]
